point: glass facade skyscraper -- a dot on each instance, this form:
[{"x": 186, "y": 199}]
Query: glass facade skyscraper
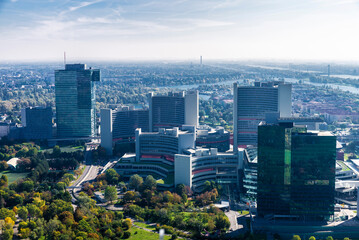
[
  {"x": 296, "y": 172},
  {"x": 75, "y": 101}
]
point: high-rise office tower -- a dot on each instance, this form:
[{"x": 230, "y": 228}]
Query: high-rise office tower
[
  {"x": 173, "y": 110},
  {"x": 296, "y": 172},
  {"x": 37, "y": 122},
  {"x": 250, "y": 105},
  {"x": 120, "y": 125},
  {"x": 75, "y": 101}
]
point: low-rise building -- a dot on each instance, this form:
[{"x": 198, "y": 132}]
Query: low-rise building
[{"x": 196, "y": 166}]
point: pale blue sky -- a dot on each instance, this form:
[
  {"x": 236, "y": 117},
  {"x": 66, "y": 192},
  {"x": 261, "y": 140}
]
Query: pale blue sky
[{"x": 179, "y": 29}]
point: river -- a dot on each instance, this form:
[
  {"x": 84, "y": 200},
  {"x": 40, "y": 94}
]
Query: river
[{"x": 332, "y": 85}]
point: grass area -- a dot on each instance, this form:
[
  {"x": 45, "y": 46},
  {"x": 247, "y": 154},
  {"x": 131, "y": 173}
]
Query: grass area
[
  {"x": 160, "y": 181},
  {"x": 140, "y": 234},
  {"x": 65, "y": 149},
  {"x": 13, "y": 176},
  {"x": 244, "y": 212},
  {"x": 145, "y": 225},
  {"x": 344, "y": 167}
]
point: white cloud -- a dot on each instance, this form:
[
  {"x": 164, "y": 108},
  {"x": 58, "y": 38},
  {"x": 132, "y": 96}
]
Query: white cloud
[{"x": 83, "y": 4}]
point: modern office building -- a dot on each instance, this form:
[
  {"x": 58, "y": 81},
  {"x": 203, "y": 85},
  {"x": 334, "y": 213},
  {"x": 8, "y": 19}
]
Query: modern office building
[
  {"x": 173, "y": 110},
  {"x": 155, "y": 153},
  {"x": 296, "y": 172},
  {"x": 75, "y": 101},
  {"x": 250, "y": 105},
  {"x": 37, "y": 122},
  {"x": 208, "y": 137},
  {"x": 118, "y": 126},
  {"x": 196, "y": 166}
]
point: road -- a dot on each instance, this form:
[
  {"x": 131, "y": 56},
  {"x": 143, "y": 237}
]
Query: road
[
  {"x": 90, "y": 173},
  {"x": 233, "y": 216}
]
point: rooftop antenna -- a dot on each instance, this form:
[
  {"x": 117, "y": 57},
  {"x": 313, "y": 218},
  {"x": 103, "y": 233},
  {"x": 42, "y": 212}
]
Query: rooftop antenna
[{"x": 65, "y": 59}]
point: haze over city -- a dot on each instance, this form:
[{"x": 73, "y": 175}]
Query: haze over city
[
  {"x": 179, "y": 119},
  {"x": 179, "y": 30}
]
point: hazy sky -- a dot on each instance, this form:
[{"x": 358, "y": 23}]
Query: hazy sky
[{"x": 179, "y": 29}]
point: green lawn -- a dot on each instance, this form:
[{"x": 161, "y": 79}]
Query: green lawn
[
  {"x": 244, "y": 212},
  {"x": 344, "y": 167},
  {"x": 65, "y": 149},
  {"x": 12, "y": 176},
  {"x": 144, "y": 225},
  {"x": 160, "y": 181},
  {"x": 142, "y": 234}
]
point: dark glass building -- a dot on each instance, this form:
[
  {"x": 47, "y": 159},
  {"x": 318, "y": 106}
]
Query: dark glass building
[
  {"x": 75, "y": 101},
  {"x": 37, "y": 122},
  {"x": 296, "y": 173},
  {"x": 126, "y": 121},
  {"x": 173, "y": 110}
]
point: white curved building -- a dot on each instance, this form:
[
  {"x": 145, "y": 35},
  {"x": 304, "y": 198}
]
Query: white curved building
[{"x": 196, "y": 166}]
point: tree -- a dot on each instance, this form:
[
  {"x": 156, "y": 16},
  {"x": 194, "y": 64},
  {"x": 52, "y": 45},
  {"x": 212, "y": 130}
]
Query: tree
[
  {"x": 3, "y": 181},
  {"x": 312, "y": 238},
  {"x": 112, "y": 176},
  {"x": 296, "y": 237},
  {"x": 110, "y": 193},
  {"x": 330, "y": 238},
  {"x": 34, "y": 211},
  {"x": 135, "y": 181},
  {"x": 150, "y": 182},
  {"x": 3, "y": 165},
  {"x": 129, "y": 196},
  {"x": 180, "y": 189},
  {"x": 23, "y": 212},
  {"x": 56, "y": 151},
  {"x": 222, "y": 222}
]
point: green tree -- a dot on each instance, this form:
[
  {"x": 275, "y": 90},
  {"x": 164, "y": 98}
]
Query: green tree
[
  {"x": 129, "y": 196},
  {"x": 34, "y": 211},
  {"x": 330, "y": 238},
  {"x": 110, "y": 193},
  {"x": 135, "y": 181},
  {"x": 222, "y": 222},
  {"x": 296, "y": 237},
  {"x": 56, "y": 151},
  {"x": 23, "y": 213},
  {"x": 150, "y": 182},
  {"x": 3, "y": 164},
  {"x": 312, "y": 238},
  {"x": 3, "y": 181},
  {"x": 180, "y": 189},
  {"x": 112, "y": 176}
]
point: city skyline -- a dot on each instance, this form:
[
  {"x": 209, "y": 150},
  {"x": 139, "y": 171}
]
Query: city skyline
[{"x": 180, "y": 29}]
